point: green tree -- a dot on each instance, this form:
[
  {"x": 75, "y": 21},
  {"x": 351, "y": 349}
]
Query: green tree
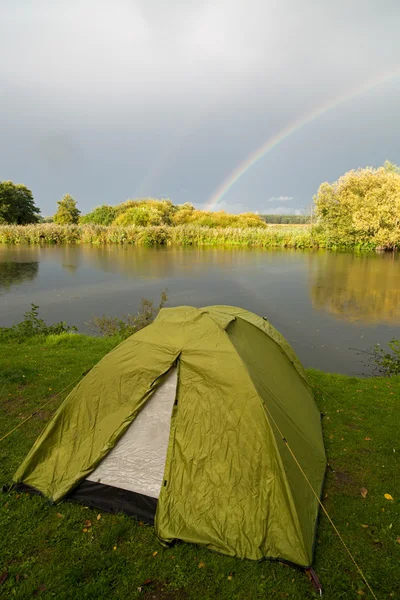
[
  {"x": 143, "y": 215},
  {"x": 362, "y": 208},
  {"x": 17, "y": 206},
  {"x": 67, "y": 212},
  {"x": 101, "y": 215},
  {"x": 151, "y": 206}
]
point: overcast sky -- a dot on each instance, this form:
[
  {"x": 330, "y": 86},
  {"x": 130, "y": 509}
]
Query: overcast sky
[{"x": 109, "y": 100}]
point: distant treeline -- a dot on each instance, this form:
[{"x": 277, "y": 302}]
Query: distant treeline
[
  {"x": 361, "y": 210},
  {"x": 287, "y": 219}
]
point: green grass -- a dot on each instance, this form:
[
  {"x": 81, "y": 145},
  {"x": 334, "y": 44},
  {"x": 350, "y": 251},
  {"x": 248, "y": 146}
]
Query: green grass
[{"x": 45, "y": 552}]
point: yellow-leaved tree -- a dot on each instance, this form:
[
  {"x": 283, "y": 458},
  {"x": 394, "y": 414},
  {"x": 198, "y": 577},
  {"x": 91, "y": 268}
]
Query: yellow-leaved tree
[{"x": 362, "y": 208}]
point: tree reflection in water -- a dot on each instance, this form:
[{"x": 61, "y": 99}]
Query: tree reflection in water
[
  {"x": 356, "y": 287},
  {"x": 15, "y": 273}
]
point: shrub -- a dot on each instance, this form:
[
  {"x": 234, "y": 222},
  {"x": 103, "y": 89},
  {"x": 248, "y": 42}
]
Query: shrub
[
  {"x": 32, "y": 325},
  {"x": 102, "y": 215},
  {"x": 142, "y": 216},
  {"x": 162, "y": 211},
  {"x": 217, "y": 219},
  {"x": 384, "y": 362}
]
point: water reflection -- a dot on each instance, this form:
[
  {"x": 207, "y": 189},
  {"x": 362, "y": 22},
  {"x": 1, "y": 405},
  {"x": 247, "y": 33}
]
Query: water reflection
[
  {"x": 14, "y": 273},
  {"x": 152, "y": 263},
  {"x": 300, "y": 292},
  {"x": 356, "y": 288}
]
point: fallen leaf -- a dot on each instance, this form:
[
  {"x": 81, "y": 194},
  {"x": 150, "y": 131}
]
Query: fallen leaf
[
  {"x": 368, "y": 439},
  {"x": 139, "y": 589},
  {"x": 364, "y": 492},
  {"x": 398, "y": 540},
  {"x": 365, "y": 526},
  {"x": 88, "y": 523},
  {"x": 388, "y": 497},
  {"x": 41, "y": 588},
  {"x": 4, "y": 575},
  {"x": 84, "y": 530},
  {"x": 155, "y": 553},
  {"x": 201, "y": 565},
  {"x": 98, "y": 517},
  {"x": 147, "y": 582},
  {"x": 230, "y": 577},
  {"x": 115, "y": 547},
  {"x": 60, "y": 516},
  {"x": 361, "y": 593}
]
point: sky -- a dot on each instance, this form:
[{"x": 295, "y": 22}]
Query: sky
[{"x": 131, "y": 98}]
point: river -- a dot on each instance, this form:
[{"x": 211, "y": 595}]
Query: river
[{"x": 326, "y": 304}]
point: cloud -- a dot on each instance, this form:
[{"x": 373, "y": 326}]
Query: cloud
[{"x": 280, "y": 198}]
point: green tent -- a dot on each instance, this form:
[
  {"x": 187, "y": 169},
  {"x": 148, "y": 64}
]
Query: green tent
[{"x": 182, "y": 425}]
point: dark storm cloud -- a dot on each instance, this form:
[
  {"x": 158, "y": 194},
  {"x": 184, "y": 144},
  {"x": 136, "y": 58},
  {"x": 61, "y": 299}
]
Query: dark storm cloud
[{"x": 109, "y": 100}]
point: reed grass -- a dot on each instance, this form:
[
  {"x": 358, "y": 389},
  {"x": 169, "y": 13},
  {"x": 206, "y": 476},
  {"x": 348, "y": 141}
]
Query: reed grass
[
  {"x": 185, "y": 235},
  {"x": 280, "y": 236}
]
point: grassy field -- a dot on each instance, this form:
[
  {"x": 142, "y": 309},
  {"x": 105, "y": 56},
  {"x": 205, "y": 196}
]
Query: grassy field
[{"x": 67, "y": 551}]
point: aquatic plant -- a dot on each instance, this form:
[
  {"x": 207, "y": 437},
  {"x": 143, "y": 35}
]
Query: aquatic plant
[{"x": 270, "y": 236}]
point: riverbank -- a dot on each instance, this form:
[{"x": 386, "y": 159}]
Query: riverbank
[
  {"x": 272, "y": 236},
  {"x": 113, "y": 556}
]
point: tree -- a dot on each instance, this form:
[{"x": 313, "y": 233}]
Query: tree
[
  {"x": 389, "y": 166},
  {"x": 140, "y": 215},
  {"x": 362, "y": 208},
  {"x": 101, "y": 215},
  {"x": 67, "y": 212},
  {"x": 17, "y": 206}
]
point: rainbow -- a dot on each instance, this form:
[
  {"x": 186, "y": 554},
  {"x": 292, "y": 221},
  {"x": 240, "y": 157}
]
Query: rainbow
[{"x": 282, "y": 135}]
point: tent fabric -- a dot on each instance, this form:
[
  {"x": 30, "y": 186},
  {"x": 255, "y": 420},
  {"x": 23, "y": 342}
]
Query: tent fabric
[
  {"x": 229, "y": 481},
  {"x": 136, "y": 463}
]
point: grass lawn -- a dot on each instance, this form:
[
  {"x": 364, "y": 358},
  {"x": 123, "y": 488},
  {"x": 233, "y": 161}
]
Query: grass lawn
[{"x": 68, "y": 551}]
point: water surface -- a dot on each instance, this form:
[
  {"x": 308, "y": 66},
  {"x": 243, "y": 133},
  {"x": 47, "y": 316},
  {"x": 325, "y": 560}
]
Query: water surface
[{"x": 324, "y": 303}]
